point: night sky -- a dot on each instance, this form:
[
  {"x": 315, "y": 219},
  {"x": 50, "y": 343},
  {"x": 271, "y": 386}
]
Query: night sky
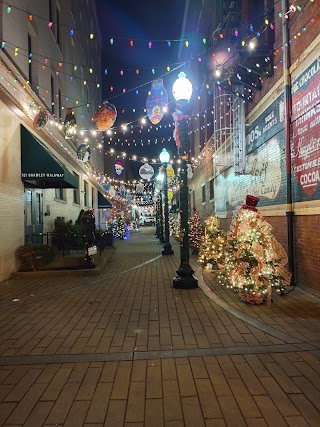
[{"x": 141, "y": 22}]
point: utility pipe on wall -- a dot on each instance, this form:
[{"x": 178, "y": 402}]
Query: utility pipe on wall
[{"x": 287, "y": 134}]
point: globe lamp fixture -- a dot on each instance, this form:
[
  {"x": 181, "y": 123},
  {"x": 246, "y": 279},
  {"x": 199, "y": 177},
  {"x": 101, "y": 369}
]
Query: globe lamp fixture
[
  {"x": 164, "y": 156},
  {"x": 182, "y": 87}
]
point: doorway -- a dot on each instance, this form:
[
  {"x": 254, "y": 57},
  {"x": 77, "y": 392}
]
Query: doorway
[{"x": 33, "y": 213}]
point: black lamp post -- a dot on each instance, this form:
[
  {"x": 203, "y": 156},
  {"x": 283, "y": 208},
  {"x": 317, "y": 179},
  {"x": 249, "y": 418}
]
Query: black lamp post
[
  {"x": 182, "y": 91},
  {"x": 160, "y": 235},
  {"x": 167, "y": 248}
]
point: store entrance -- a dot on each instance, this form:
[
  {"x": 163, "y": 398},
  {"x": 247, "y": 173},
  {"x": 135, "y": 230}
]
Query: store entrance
[{"x": 33, "y": 211}]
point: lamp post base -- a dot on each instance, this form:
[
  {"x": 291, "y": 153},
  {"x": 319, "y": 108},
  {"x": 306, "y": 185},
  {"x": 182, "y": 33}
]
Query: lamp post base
[
  {"x": 185, "y": 278},
  {"x": 167, "y": 249}
]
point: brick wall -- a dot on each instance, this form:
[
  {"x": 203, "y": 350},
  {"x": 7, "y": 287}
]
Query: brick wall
[{"x": 307, "y": 244}]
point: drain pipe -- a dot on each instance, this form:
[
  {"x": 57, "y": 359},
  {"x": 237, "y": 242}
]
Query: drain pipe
[{"x": 287, "y": 134}]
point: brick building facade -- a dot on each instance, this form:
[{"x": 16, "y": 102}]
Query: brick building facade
[{"x": 215, "y": 187}]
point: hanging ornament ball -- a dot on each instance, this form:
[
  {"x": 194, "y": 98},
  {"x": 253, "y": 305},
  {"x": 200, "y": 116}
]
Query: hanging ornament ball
[
  {"x": 83, "y": 153},
  {"x": 40, "y": 120},
  {"x": 105, "y": 116},
  {"x": 146, "y": 171}
]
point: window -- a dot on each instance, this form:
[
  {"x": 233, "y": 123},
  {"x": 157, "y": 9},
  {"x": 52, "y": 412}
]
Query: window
[
  {"x": 50, "y": 10},
  {"x": 76, "y": 199},
  {"x": 204, "y": 193},
  {"x": 59, "y": 194},
  {"x": 193, "y": 200},
  {"x": 52, "y": 96},
  {"x": 58, "y": 26},
  {"x": 92, "y": 198},
  {"x": 212, "y": 189},
  {"x": 60, "y": 105},
  {"x": 30, "y": 58},
  {"x": 85, "y": 193},
  {"x": 29, "y": 209}
]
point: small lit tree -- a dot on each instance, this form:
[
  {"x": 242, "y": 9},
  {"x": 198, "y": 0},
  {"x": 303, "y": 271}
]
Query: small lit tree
[
  {"x": 195, "y": 232},
  {"x": 255, "y": 261},
  {"x": 212, "y": 244},
  {"x": 120, "y": 229}
]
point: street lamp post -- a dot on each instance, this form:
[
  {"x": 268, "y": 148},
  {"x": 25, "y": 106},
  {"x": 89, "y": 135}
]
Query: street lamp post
[
  {"x": 182, "y": 91},
  {"x": 167, "y": 248},
  {"x": 160, "y": 235}
]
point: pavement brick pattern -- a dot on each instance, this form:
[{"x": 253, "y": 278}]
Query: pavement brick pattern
[{"x": 126, "y": 349}]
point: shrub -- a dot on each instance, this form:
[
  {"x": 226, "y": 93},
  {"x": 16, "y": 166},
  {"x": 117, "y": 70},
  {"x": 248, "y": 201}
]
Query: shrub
[{"x": 35, "y": 257}]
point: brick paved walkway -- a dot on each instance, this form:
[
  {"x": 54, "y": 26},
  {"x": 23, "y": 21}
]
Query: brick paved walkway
[{"x": 126, "y": 349}]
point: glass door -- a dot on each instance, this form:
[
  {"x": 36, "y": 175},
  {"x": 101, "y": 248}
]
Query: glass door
[{"x": 33, "y": 213}]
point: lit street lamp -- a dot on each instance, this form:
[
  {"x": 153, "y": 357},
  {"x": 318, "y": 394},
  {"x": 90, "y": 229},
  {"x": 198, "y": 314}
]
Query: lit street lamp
[
  {"x": 182, "y": 91},
  {"x": 164, "y": 159}
]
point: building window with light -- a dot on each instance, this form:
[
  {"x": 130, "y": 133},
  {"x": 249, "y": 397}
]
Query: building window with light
[
  {"x": 203, "y": 194},
  {"x": 211, "y": 189},
  {"x": 52, "y": 95},
  {"x": 85, "y": 193},
  {"x": 60, "y": 194},
  {"x": 76, "y": 198}
]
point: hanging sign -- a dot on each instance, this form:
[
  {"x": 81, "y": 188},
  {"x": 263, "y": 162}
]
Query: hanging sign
[
  {"x": 106, "y": 187},
  {"x": 156, "y": 101},
  {"x": 118, "y": 167},
  {"x": 112, "y": 191},
  {"x": 170, "y": 172},
  {"x": 105, "y": 116},
  {"x": 83, "y": 153},
  {"x": 146, "y": 171}
]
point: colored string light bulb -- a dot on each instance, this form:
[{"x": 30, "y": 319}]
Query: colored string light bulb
[
  {"x": 150, "y": 45},
  {"x": 105, "y": 72},
  {"x": 204, "y": 41},
  {"x": 131, "y": 42},
  {"x": 50, "y": 24},
  {"x": 91, "y": 36},
  {"x": 8, "y": 9},
  {"x": 169, "y": 43},
  {"x": 71, "y": 32},
  {"x": 111, "y": 41},
  {"x": 30, "y": 17}
]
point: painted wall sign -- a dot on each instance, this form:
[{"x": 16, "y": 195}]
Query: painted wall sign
[
  {"x": 266, "y": 125},
  {"x": 263, "y": 179},
  {"x": 306, "y": 129}
]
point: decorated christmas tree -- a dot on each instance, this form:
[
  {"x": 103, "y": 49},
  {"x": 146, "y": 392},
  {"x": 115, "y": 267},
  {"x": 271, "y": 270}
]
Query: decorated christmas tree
[
  {"x": 195, "y": 232},
  {"x": 212, "y": 244},
  {"x": 255, "y": 261},
  {"x": 120, "y": 229},
  {"x": 174, "y": 225}
]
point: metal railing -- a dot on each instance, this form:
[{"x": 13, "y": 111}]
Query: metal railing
[{"x": 69, "y": 243}]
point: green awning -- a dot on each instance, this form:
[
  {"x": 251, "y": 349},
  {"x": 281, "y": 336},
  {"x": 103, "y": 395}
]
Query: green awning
[
  {"x": 103, "y": 202},
  {"x": 40, "y": 168}
]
